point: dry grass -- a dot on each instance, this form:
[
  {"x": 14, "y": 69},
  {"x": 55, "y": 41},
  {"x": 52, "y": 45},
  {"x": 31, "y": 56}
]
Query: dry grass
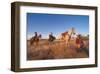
[{"x": 56, "y": 50}]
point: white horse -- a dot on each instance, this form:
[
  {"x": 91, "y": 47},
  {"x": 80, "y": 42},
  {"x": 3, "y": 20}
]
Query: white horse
[{"x": 68, "y": 35}]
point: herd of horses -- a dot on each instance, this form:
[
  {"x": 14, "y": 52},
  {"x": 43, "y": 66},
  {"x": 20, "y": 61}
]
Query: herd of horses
[
  {"x": 66, "y": 37},
  {"x": 35, "y": 39}
]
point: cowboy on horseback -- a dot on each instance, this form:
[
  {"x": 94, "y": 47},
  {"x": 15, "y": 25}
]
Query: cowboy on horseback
[
  {"x": 51, "y": 37},
  {"x": 35, "y": 39}
]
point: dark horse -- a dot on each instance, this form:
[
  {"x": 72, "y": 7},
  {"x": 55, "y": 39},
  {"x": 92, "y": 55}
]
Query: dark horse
[
  {"x": 51, "y": 38},
  {"x": 35, "y": 39}
]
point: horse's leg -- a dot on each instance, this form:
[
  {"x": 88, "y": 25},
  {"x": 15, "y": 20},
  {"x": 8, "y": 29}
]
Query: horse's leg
[
  {"x": 67, "y": 42},
  {"x": 37, "y": 43}
]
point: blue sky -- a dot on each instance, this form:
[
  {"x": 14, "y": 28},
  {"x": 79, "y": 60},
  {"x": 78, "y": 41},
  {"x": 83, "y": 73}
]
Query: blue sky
[{"x": 56, "y": 23}]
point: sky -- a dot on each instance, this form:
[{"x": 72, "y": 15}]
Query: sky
[{"x": 56, "y": 23}]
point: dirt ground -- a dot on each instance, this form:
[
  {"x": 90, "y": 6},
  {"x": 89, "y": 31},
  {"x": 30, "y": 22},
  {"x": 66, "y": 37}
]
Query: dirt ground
[{"x": 56, "y": 50}]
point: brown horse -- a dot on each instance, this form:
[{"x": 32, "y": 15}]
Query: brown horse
[
  {"x": 79, "y": 42},
  {"x": 65, "y": 37},
  {"x": 35, "y": 39}
]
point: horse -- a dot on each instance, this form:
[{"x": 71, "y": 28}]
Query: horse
[
  {"x": 68, "y": 36},
  {"x": 65, "y": 37},
  {"x": 79, "y": 42},
  {"x": 51, "y": 38},
  {"x": 35, "y": 39}
]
